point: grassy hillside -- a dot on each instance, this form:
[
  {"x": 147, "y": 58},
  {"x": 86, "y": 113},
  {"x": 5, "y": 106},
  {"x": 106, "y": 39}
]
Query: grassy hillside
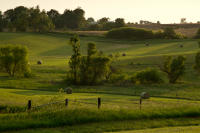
[
  {"x": 54, "y": 51},
  {"x": 192, "y": 129}
]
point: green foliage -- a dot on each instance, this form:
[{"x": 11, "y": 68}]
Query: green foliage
[
  {"x": 198, "y": 34},
  {"x": 90, "y": 69},
  {"x": 55, "y": 17},
  {"x": 174, "y": 68},
  {"x": 14, "y": 60},
  {"x": 130, "y": 33},
  {"x": 120, "y": 79},
  {"x": 92, "y": 50},
  {"x": 25, "y": 19},
  {"x": 75, "y": 59},
  {"x": 78, "y": 116},
  {"x": 197, "y": 62},
  {"x": 1, "y": 21},
  {"x": 119, "y": 22},
  {"x": 94, "y": 67},
  {"x": 73, "y": 19},
  {"x": 140, "y": 34},
  {"x": 169, "y": 33},
  {"x": 148, "y": 76},
  {"x": 12, "y": 109},
  {"x": 199, "y": 44}
]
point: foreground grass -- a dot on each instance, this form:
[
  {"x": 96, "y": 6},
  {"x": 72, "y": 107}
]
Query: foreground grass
[
  {"x": 189, "y": 129},
  {"x": 16, "y": 100},
  {"x": 123, "y": 126},
  {"x": 56, "y": 117}
]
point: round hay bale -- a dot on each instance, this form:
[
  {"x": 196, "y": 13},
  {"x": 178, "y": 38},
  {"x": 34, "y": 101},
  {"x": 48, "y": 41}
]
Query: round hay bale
[
  {"x": 124, "y": 54},
  {"x": 68, "y": 90},
  {"x": 110, "y": 55},
  {"x": 181, "y": 46},
  {"x": 39, "y": 62},
  {"x": 145, "y": 95}
]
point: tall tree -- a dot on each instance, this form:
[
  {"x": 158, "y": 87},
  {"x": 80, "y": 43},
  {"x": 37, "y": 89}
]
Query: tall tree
[
  {"x": 174, "y": 68},
  {"x": 14, "y": 60},
  {"x": 73, "y": 19},
  {"x": 75, "y": 59},
  {"x": 45, "y": 23},
  {"x": 119, "y": 22},
  {"x": 9, "y": 19},
  {"x": 39, "y": 21},
  {"x": 103, "y": 20},
  {"x": 21, "y": 18},
  {"x": 54, "y": 15},
  {"x": 1, "y": 21},
  {"x": 197, "y": 62},
  {"x": 90, "y": 20},
  {"x": 34, "y": 18},
  {"x": 79, "y": 19}
]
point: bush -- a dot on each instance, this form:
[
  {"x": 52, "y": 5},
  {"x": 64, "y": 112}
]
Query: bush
[
  {"x": 14, "y": 60},
  {"x": 120, "y": 79},
  {"x": 140, "y": 34},
  {"x": 90, "y": 69},
  {"x": 197, "y": 62},
  {"x": 199, "y": 44},
  {"x": 130, "y": 33},
  {"x": 148, "y": 76},
  {"x": 169, "y": 33},
  {"x": 174, "y": 68},
  {"x": 198, "y": 34}
]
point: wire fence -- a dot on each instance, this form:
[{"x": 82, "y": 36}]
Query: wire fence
[
  {"x": 66, "y": 101},
  {"x": 136, "y": 103}
]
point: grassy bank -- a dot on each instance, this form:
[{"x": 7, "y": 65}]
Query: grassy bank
[{"x": 83, "y": 116}]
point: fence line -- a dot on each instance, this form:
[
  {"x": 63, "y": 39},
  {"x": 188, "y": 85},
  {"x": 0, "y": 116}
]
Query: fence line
[
  {"x": 62, "y": 101},
  {"x": 138, "y": 102}
]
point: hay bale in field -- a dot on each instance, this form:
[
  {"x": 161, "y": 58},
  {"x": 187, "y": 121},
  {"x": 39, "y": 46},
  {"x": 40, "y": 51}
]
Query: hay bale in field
[
  {"x": 39, "y": 62},
  {"x": 101, "y": 52},
  {"x": 110, "y": 55},
  {"x": 181, "y": 46},
  {"x": 145, "y": 95},
  {"x": 124, "y": 54},
  {"x": 68, "y": 90}
]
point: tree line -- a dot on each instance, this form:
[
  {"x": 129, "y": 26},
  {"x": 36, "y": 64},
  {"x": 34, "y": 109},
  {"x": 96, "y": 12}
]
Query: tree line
[{"x": 33, "y": 19}]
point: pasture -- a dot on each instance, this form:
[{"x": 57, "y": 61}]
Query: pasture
[{"x": 168, "y": 103}]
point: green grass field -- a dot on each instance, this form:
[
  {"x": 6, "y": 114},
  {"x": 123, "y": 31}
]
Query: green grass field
[
  {"x": 192, "y": 129},
  {"x": 54, "y": 51}
]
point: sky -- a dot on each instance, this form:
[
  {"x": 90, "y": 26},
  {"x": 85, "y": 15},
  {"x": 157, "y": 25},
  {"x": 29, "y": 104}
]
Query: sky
[{"x": 166, "y": 11}]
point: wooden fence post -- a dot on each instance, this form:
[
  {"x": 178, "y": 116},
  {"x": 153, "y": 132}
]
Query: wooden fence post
[
  {"x": 140, "y": 103},
  {"x": 66, "y": 102},
  {"x": 29, "y": 104},
  {"x": 99, "y": 103}
]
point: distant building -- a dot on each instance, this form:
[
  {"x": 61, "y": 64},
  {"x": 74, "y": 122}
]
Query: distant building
[{"x": 183, "y": 21}]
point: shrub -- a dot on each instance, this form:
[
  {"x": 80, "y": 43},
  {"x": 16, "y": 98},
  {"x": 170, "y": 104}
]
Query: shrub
[
  {"x": 174, "y": 68},
  {"x": 140, "y": 34},
  {"x": 14, "y": 60},
  {"x": 90, "y": 69},
  {"x": 197, "y": 62},
  {"x": 120, "y": 79},
  {"x": 130, "y": 33},
  {"x": 198, "y": 34},
  {"x": 199, "y": 44},
  {"x": 148, "y": 76},
  {"x": 169, "y": 33},
  {"x": 75, "y": 59}
]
